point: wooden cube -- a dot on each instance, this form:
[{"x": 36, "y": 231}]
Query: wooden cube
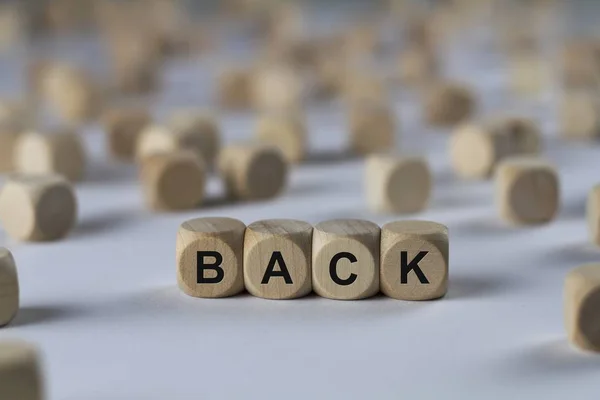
[
  {"x": 372, "y": 128},
  {"x": 173, "y": 180},
  {"x": 287, "y": 132},
  {"x": 9, "y": 287},
  {"x": 209, "y": 257},
  {"x": 593, "y": 215},
  {"x": 277, "y": 259},
  {"x": 276, "y": 88},
  {"x": 417, "y": 66},
  {"x": 234, "y": 89},
  {"x": 253, "y": 171},
  {"x": 448, "y": 103},
  {"x": 363, "y": 88},
  {"x": 123, "y": 127},
  {"x": 37, "y": 207},
  {"x": 345, "y": 259},
  {"x": 8, "y": 140},
  {"x": 197, "y": 130},
  {"x": 477, "y": 148},
  {"x": 414, "y": 260},
  {"x": 397, "y": 184},
  {"x": 529, "y": 74},
  {"x": 527, "y": 190},
  {"x": 580, "y": 116},
  {"x": 582, "y": 306},
  {"x": 20, "y": 371},
  {"x": 59, "y": 152}
]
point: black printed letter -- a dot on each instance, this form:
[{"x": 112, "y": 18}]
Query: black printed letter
[
  {"x": 406, "y": 267},
  {"x": 277, "y": 258},
  {"x": 333, "y": 269},
  {"x": 215, "y": 267}
]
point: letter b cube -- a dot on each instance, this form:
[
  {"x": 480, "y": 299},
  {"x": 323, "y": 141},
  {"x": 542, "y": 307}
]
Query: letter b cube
[
  {"x": 209, "y": 257},
  {"x": 414, "y": 260}
]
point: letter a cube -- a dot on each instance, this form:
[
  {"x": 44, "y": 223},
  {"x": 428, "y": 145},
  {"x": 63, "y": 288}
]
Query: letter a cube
[
  {"x": 414, "y": 260},
  {"x": 209, "y": 257}
]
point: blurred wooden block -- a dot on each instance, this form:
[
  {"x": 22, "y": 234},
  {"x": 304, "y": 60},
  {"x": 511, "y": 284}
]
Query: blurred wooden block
[
  {"x": 9, "y": 287},
  {"x": 209, "y": 257},
  {"x": 593, "y": 215},
  {"x": 277, "y": 88},
  {"x": 37, "y": 207},
  {"x": 530, "y": 74},
  {"x": 580, "y": 116},
  {"x": 447, "y": 104},
  {"x": 397, "y": 184},
  {"x": 8, "y": 139},
  {"x": 123, "y": 127},
  {"x": 59, "y": 152},
  {"x": 414, "y": 260},
  {"x": 173, "y": 180},
  {"x": 360, "y": 87},
  {"x": 253, "y": 171},
  {"x": 345, "y": 259},
  {"x": 286, "y": 131},
  {"x": 582, "y": 306},
  {"x": 277, "y": 259},
  {"x": 417, "y": 66},
  {"x": 527, "y": 190},
  {"x": 197, "y": 130},
  {"x": 580, "y": 64},
  {"x": 234, "y": 89},
  {"x": 476, "y": 148},
  {"x": 372, "y": 128},
  {"x": 20, "y": 371}
]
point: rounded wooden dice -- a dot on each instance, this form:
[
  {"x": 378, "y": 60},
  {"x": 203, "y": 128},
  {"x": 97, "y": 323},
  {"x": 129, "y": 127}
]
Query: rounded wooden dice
[
  {"x": 397, "y": 184},
  {"x": 345, "y": 259},
  {"x": 593, "y": 215},
  {"x": 372, "y": 128},
  {"x": 580, "y": 116},
  {"x": 9, "y": 287},
  {"x": 59, "y": 152},
  {"x": 209, "y": 257},
  {"x": 527, "y": 190},
  {"x": 173, "y": 180},
  {"x": 20, "y": 371},
  {"x": 286, "y": 131},
  {"x": 447, "y": 104},
  {"x": 197, "y": 130},
  {"x": 123, "y": 127},
  {"x": 582, "y": 306},
  {"x": 253, "y": 171},
  {"x": 277, "y": 259},
  {"x": 37, "y": 207},
  {"x": 414, "y": 260}
]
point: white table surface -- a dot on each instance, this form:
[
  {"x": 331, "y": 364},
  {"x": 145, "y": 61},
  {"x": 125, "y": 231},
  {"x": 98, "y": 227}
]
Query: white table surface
[{"x": 104, "y": 307}]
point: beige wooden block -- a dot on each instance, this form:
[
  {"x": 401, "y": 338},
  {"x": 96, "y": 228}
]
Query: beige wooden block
[
  {"x": 210, "y": 257},
  {"x": 527, "y": 190},
  {"x": 362, "y": 87},
  {"x": 37, "y": 207},
  {"x": 123, "y": 127},
  {"x": 414, "y": 260},
  {"x": 9, "y": 287},
  {"x": 235, "y": 89},
  {"x": 20, "y": 371},
  {"x": 372, "y": 128},
  {"x": 277, "y": 259},
  {"x": 397, "y": 184},
  {"x": 477, "y": 148},
  {"x": 580, "y": 115},
  {"x": 286, "y": 131},
  {"x": 276, "y": 88},
  {"x": 582, "y": 306},
  {"x": 173, "y": 180},
  {"x": 253, "y": 171},
  {"x": 8, "y": 140},
  {"x": 593, "y": 215},
  {"x": 345, "y": 259},
  {"x": 580, "y": 67},
  {"x": 530, "y": 74},
  {"x": 197, "y": 130},
  {"x": 59, "y": 152},
  {"x": 447, "y": 104},
  {"x": 71, "y": 92},
  {"x": 417, "y": 66}
]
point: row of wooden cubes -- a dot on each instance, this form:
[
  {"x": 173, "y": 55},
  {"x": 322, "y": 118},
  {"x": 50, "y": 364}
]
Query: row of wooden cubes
[{"x": 337, "y": 259}]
